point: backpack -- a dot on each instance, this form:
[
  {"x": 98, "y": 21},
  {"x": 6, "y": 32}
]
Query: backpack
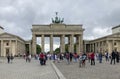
[{"x": 83, "y": 57}]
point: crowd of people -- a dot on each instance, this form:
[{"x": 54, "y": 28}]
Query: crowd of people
[{"x": 72, "y": 57}]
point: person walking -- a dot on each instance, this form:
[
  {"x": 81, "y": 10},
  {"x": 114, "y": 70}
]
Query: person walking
[
  {"x": 117, "y": 57},
  {"x": 84, "y": 56},
  {"x": 11, "y": 58},
  {"x": 113, "y": 56},
  {"x": 29, "y": 58},
  {"x": 107, "y": 56},
  {"x": 75, "y": 57},
  {"x": 71, "y": 56},
  {"x": 67, "y": 58},
  {"x": 8, "y": 58},
  {"x": 92, "y": 58},
  {"x": 100, "y": 57},
  {"x": 41, "y": 58}
]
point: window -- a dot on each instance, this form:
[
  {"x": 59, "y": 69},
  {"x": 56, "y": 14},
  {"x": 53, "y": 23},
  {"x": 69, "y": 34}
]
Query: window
[{"x": 7, "y": 44}]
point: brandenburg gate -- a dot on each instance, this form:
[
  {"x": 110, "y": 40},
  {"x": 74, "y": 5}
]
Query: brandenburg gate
[{"x": 58, "y": 29}]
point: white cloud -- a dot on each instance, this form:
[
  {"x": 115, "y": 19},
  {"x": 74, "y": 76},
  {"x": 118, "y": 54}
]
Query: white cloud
[{"x": 17, "y": 16}]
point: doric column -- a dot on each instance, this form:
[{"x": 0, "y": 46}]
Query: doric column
[
  {"x": 113, "y": 45},
  {"x": 95, "y": 47},
  {"x": 108, "y": 46},
  {"x": 92, "y": 47},
  {"x": 42, "y": 42},
  {"x": 2, "y": 48},
  {"x": 69, "y": 44},
  {"x": 81, "y": 42},
  {"x": 10, "y": 47},
  {"x": 51, "y": 43},
  {"x": 78, "y": 44},
  {"x": 72, "y": 43},
  {"x": 85, "y": 48},
  {"x": 34, "y": 44},
  {"x": 62, "y": 44},
  {"x": 16, "y": 48}
]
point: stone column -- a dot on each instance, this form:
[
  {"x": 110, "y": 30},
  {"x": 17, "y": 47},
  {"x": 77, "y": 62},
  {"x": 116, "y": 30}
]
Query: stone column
[
  {"x": 16, "y": 48},
  {"x": 2, "y": 48},
  {"x": 85, "y": 47},
  {"x": 113, "y": 45},
  {"x": 42, "y": 43},
  {"x": 109, "y": 46},
  {"x": 118, "y": 46},
  {"x": 34, "y": 44},
  {"x": 98, "y": 47},
  {"x": 72, "y": 43},
  {"x": 62, "y": 44},
  {"x": 95, "y": 47},
  {"x": 81, "y": 42},
  {"x": 78, "y": 43},
  {"x": 51, "y": 43},
  {"x": 10, "y": 47}
]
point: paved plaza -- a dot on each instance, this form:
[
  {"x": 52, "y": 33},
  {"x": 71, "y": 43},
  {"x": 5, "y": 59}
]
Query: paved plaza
[
  {"x": 19, "y": 69},
  {"x": 99, "y": 71}
]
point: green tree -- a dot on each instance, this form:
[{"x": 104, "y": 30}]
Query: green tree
[
  {"x": 38, "y": 49},
  {"x": 66, "y": 47},
  {"x": 57, "y": 50},
  {"x": 75, "y": 47}
]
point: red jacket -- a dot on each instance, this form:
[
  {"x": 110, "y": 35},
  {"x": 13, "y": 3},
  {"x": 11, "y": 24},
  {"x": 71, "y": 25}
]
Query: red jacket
[
  {"x": 41, "y": 55},
  {"x": 92, "y": 56}
]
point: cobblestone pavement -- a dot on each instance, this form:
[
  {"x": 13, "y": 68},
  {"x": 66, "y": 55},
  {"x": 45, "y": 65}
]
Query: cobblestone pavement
[
  {"x": 99, "y": 71},
  {"x": 19, "y": 69}
]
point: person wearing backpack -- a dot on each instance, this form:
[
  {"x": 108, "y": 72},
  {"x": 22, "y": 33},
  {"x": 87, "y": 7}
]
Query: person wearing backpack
[
  {"x": 84, "y": 56},
  {"x": 67, "y": 58}
]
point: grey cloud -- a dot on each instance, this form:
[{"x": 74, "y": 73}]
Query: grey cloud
[{"x": 17, "y": 16}]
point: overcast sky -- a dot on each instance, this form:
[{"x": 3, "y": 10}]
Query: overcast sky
[{"x": 97, "y": 16}]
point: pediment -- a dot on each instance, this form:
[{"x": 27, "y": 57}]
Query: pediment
[{"x": 7, "y": 35}]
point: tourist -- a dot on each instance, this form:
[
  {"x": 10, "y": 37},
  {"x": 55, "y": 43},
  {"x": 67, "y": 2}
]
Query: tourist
[
  {"x": 67, "y": 58},
  {"x": 100, "y": 57},
  {"x": 113, "y": 56},
  {"x": 89, "y": 56},
  {"x": 71, "y": 56},
  {"x": 92, "y": 58},
  {"x": 117, "y": 57},
  {"x": 107, "y": 56},
  {"x": 29, "y": 57},
  {"x": 75, "y": 57},
  {"x": 41, "y": 58},
  {"x": 97, "y": 56},
  {"x": 26, "y": 56},
  {"x": 84, "y": 56},
  {"x": 11, "y": 58},
  {"x": 8, "y": 58},
  {"x": 44, "y": 59}
]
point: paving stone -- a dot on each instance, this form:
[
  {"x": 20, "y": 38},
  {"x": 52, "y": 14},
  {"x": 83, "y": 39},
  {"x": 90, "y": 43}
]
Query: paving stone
[
  {"x": 19, "y": 69},
  {"x": 99, "y": 71}
]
